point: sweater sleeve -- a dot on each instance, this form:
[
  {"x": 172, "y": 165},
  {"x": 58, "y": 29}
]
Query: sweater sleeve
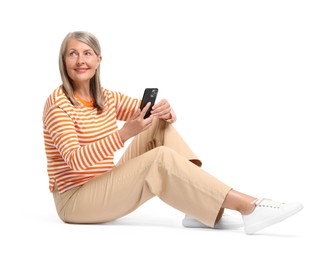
[
  {"x": 125, "y": 105},
  {"x": 62, "y": 130}
]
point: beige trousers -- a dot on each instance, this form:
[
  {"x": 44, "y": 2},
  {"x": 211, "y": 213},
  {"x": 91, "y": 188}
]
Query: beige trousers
[{"x": 158, "y": 162}]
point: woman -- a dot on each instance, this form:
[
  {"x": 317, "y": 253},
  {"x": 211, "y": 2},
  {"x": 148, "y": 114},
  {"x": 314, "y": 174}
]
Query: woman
[{"x": 81, "y": 137}]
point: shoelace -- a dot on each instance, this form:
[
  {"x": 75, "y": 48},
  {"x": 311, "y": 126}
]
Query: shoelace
[{"x": 268, "y": 203}]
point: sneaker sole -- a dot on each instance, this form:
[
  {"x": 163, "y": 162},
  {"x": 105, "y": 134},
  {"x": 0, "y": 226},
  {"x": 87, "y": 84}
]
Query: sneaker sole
[
  {"x": 259, "y": 226},
  {"x": 190, "y": 223}
]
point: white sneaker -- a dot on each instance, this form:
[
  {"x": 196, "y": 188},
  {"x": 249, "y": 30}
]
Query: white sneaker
[
  {"x": 226, "y": 222},
  {"x": 267, "y": 213}
]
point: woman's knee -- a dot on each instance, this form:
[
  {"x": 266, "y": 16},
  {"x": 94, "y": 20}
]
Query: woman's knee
[
  {"x": 164, "y": 150},
  {"x": 166, "y": 155}
]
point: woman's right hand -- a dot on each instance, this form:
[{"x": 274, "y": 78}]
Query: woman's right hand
[{"x": 136, "y": 124}]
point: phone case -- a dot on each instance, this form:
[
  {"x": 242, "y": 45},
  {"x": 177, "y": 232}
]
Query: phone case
[{"x": 150, "y": 95}]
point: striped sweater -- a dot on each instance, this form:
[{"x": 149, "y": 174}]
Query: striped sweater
[{"x": 79, "y": 142}]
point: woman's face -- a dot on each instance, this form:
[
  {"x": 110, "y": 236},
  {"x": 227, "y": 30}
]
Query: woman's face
[{"x": 81, "y": 62}]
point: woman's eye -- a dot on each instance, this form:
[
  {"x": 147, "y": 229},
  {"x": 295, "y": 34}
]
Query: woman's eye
[
  {"x": 72, "y": 54},
  {"x": 88, "y": 53}
]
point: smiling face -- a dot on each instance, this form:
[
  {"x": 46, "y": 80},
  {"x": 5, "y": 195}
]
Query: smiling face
[{"x": 81, "y": 62}]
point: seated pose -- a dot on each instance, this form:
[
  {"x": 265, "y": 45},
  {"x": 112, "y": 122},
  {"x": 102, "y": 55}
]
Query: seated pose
[{"x": 81, "y": 136}]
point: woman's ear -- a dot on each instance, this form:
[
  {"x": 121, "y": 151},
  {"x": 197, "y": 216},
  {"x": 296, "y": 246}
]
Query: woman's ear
[{"x": 99, "y": 59}]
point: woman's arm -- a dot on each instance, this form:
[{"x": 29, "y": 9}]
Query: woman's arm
[{"x": 63, "y": 134}]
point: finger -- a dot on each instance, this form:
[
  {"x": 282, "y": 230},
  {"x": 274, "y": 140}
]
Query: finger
[
  {"x": 161, "y": 108},
  {"x": 136, "y": 114},
  {"x": 163, "y": 112},
  {"x": 171, "y": 120},
  {"x": 146, "y": 123},
  {"x": 145, "y": 109},
  {"x": 161, "y": 103}
]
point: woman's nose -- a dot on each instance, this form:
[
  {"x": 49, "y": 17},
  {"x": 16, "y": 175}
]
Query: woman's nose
[{"x": 80, "y": 60}]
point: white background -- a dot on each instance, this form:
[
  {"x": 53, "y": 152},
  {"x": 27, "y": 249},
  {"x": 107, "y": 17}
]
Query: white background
[{"x": 250, "y": 82}]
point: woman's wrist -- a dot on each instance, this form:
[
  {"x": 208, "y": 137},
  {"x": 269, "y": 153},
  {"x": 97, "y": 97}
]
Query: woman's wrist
[{"x": 123, "y": 135}]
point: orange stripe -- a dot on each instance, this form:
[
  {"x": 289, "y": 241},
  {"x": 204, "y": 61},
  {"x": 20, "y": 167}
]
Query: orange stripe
[{"x": 79, "y": 143}]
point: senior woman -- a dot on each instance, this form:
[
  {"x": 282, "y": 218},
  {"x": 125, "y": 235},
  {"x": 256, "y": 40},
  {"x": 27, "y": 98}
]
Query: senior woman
[{"x": 81, "y": 137}]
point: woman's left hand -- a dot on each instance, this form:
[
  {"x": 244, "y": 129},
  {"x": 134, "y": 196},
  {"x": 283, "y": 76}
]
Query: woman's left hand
[{"x": 163, "y": 110}]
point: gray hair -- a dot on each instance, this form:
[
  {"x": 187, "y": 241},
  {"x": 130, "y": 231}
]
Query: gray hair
[{"x": 95, "y": 86}]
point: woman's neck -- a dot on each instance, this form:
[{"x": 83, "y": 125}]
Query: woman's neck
[{"x": 83, "y": 91}]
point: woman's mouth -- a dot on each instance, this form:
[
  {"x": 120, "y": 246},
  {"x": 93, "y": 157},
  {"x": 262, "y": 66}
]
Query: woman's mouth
[{"x": 81, "y": 70}]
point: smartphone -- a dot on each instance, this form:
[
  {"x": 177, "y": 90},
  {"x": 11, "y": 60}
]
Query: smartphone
[{"x": 150, "y": 95}]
